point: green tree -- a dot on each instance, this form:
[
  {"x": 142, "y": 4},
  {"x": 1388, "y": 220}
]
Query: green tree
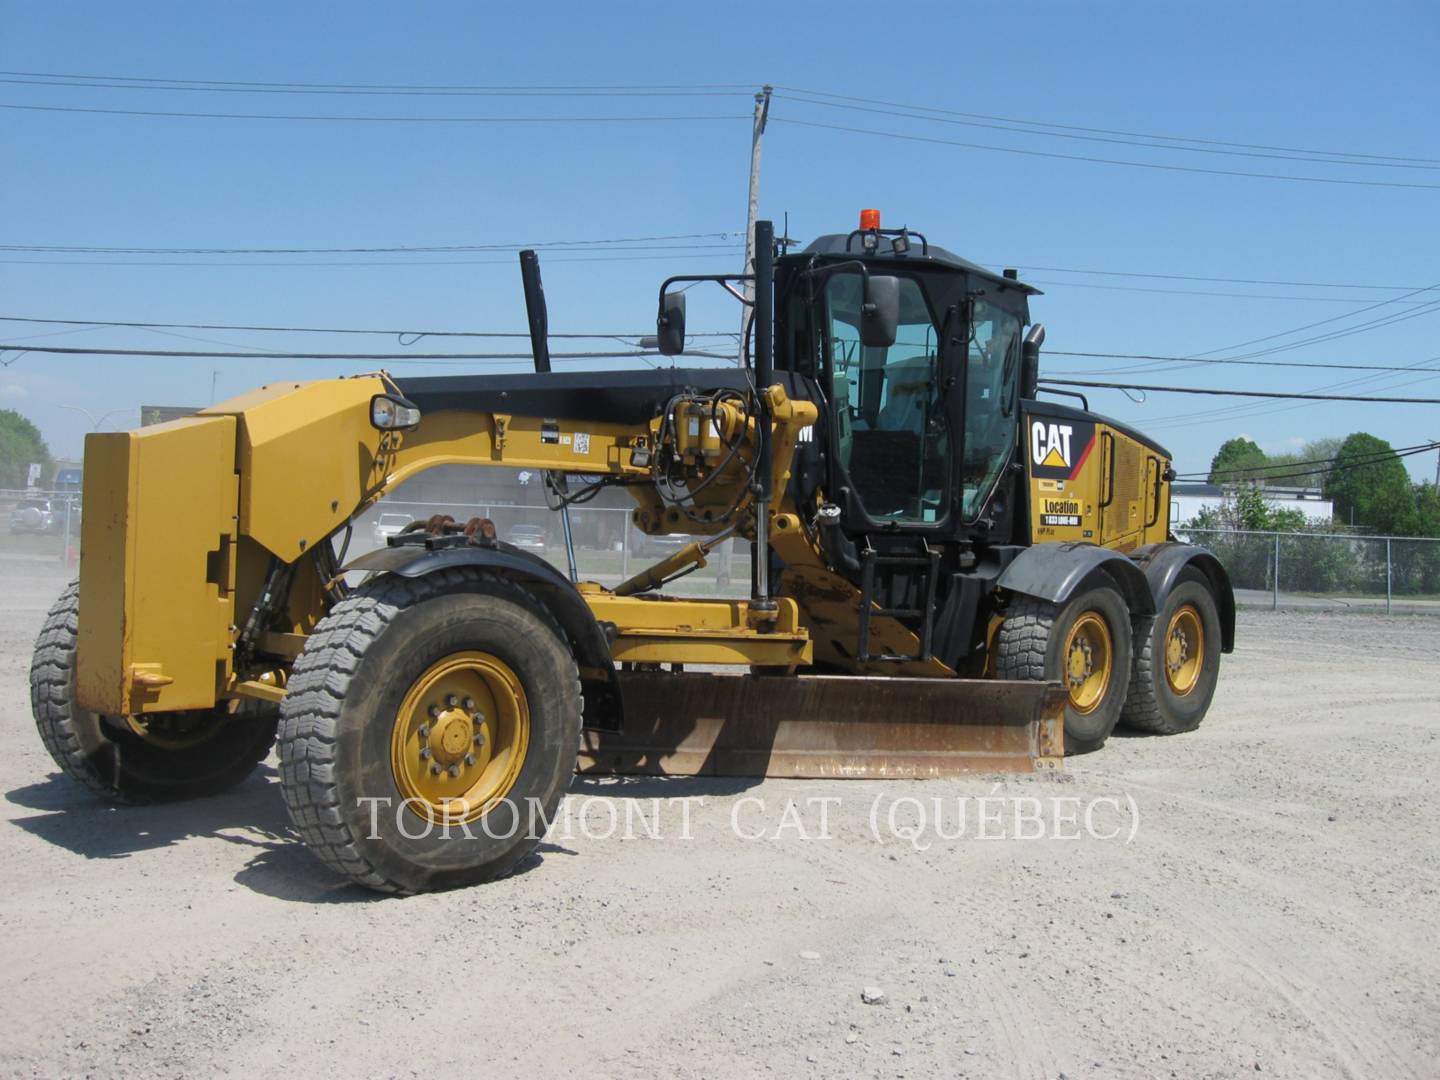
[
  {"x": 1237, "y": 459},
  {"x": 21, "y": 446},
  {"x": 1323, "y": 450},
  {"x": 1370, "y": 487},
  {"x": 1427, "y": 510}
]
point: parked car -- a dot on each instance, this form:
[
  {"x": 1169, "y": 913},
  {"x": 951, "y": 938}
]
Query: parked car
[
  {"x": 527, "y": 538},
  {"x": 40, "y": 516},
  {"x": 388, "y": 525}
]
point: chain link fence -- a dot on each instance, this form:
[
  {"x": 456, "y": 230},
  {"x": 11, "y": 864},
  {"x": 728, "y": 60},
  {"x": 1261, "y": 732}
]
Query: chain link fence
[
  {"x": 1394, "y": 574},
  {"x": 40, "y": 536},
  {"x": 608, "y": 547}
]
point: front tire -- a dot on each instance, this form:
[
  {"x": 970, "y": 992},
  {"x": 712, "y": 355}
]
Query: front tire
[
  {"x": 1084, "y": 645},
  {"x": 430, "y": 730},
  {"x": 158, "y": 757},
  {"x": 1177, "y": 664}
]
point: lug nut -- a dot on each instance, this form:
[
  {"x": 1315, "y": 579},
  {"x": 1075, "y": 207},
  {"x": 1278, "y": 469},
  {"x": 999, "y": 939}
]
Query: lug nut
[
  {"x": 452, "y": 701},
  {"x": 424, "y": 753},
  {"x": 469, "y": 704},
  {"x": 479, "y": 739},
  {"x": 469, "y": 759},
  {"x": 477, "y": 718},
  {"x": 434, "y": 711},
  {"x": 434, "y": 770},
  {"x": 454, "y": 770},
  {"x": 424, "y": 731}
]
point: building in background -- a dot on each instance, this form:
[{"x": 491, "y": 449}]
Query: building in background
[{"x": 1190, "y": 499}]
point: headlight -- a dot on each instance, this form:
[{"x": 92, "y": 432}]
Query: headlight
[{"x": 393, "y": 414}]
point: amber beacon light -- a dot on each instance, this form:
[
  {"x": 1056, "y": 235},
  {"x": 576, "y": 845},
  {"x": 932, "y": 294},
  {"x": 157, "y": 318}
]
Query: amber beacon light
[{"x": 869, "y": 219}]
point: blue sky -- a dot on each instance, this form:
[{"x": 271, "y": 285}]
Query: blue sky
[{"x": 1327, "y": 76}]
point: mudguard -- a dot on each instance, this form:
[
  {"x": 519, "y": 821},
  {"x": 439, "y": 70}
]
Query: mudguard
[
  {"x": 1162, "y": 563},
  {"x": 603, "y": 705},
  {"x": 1054, "y": 571}
]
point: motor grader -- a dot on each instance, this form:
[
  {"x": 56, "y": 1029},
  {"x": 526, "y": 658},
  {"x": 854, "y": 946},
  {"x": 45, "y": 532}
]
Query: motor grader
[{"x": 947, "y": 574}]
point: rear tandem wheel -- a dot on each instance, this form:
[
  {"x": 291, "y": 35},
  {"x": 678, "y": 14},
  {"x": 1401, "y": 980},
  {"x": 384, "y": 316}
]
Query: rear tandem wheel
[{"x": 1177, "y": 660}]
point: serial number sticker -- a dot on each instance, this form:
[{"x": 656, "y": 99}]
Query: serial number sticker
[
  {"x": 582, "y": 442},
  {"x": 1060, "y": 519}
]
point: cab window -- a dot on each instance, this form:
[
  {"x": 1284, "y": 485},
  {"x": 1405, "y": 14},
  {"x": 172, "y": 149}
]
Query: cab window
[{"x": 892, "y": 437}]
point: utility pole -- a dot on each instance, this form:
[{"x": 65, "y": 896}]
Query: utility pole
[
  {"x": 762, "y": 114},
  {"x": 1437, "y": 462}
]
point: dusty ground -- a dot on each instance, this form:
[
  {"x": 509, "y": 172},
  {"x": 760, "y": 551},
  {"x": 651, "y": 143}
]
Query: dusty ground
[{"x": 1274, "y": 911}]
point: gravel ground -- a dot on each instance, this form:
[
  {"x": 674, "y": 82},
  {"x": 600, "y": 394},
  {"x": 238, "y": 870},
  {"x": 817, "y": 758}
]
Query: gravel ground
[{"x": 1266, "y": 903}]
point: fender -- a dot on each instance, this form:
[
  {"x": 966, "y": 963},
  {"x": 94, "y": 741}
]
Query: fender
[
  {"x": 603, "y": 705},
  {"x": 1162, "y": 563},
  {"x": 1055, "y": 571}
]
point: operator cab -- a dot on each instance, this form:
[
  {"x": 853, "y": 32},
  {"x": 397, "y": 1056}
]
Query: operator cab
[{"x": 918, "y": 432}]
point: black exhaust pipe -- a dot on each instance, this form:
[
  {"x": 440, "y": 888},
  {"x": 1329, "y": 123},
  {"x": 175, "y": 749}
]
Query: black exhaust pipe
[
  {"x": 762, "y": 330},
  {"x": 535, "y": 310}
]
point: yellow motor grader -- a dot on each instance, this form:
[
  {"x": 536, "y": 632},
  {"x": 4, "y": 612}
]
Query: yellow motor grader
[{"x": 947, "y": 574}]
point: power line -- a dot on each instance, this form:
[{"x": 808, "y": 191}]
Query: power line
[
  {"x": 1230, "y": 413},
  {"x": 1213, "y": 280},
  {"x": 673, "y": 253},
  {"x": 1348, "y": 466},
  {"x": 738, "y": 87},
  {"x": 96, "y": 323},
  {"x": 417, "y": 334},
  {"x": 1209, "y": 292},
  {"x": 300, "y": 88},
  {"x": 624, "y": 243},
  {"x": 1324, "y": 322},
  {"x": 380, "y": 119},
  {"x": 395, "y": 357},
  {"x": 1148, "y": 388},
  {"x": 655, "y": 89},
  {"x": 1108, "y": 131},
  {"x": 1106, "y": 161},
  {"x": 1376, "y": 455},
  {"x": 1122, "y": 141},
  {"x": 1237, "y": 361}
]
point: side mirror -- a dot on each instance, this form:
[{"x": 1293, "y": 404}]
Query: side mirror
[
  {"x": 880, "y": 312},
  {"x": 1030, "y": 360},
  {"x": 670, "y": 326}
]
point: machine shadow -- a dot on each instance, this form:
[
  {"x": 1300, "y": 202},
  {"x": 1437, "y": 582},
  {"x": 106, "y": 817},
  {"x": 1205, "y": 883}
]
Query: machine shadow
[
  {"x": 251, "y": 816},
  {"x": 661, "y": 787}
]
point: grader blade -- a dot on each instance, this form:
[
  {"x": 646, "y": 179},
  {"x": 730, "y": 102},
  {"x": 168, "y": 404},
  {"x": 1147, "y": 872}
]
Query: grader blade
[{"x": 701, "y": 724}]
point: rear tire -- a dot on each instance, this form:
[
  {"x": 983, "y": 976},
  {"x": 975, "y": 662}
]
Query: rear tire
[
  {"x": 1177, "y": 660},
  {"x": 1085, "y": 645},
  {"x": 398, "y": 688},
  {"x": 198, "y": 752}
]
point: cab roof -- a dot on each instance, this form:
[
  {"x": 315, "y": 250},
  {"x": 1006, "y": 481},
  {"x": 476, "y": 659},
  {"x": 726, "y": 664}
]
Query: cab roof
[{"x": 847, "y": 246}]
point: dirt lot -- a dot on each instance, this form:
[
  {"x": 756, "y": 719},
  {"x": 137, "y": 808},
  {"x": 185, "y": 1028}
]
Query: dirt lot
[{"x": 1267, "y": 903}]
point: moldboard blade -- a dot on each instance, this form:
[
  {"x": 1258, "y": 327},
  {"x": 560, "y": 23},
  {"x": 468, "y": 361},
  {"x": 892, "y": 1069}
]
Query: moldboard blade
[{"x": 704, "y": 724}]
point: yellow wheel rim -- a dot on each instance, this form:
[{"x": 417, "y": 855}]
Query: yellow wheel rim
[
  {"x": 1184, "y": 650},
  {"x": 1088, "y": 660},
  {"x": 460, "y": 738}
]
